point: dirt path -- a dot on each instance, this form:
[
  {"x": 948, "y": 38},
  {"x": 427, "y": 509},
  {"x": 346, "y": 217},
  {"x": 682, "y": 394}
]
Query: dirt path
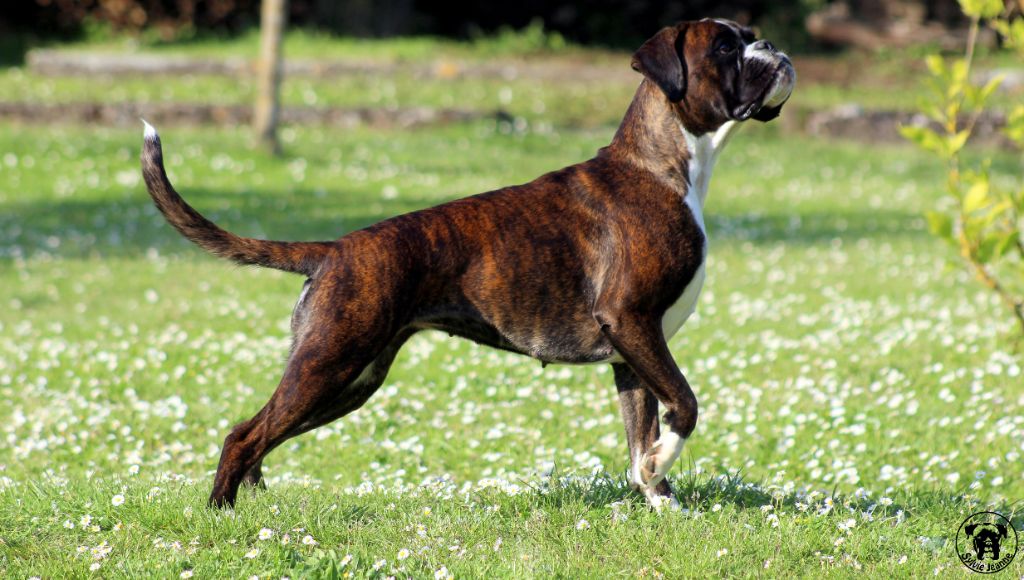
[
  {"x": 845, "y": 122},
  {"x": 67, "y": 63},
  {"x": 128, "y": 114}
]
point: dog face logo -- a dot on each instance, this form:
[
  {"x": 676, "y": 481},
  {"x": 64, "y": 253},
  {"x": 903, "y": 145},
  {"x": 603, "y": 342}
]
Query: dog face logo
[
  {"x": 986, "y": 538},
  {"x": 986, "y": 542}
]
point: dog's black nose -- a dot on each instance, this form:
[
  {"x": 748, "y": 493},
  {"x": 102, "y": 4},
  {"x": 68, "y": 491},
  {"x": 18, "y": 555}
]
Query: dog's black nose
[{"x": 764, "y": 45}]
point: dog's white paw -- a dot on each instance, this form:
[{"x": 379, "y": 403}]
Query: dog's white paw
[
  {"x": 649, "y": 470},
  {"x": 655, "y": 464},
  {"x": 663, "y": 502},
  {"x": 657, "y": 501}
]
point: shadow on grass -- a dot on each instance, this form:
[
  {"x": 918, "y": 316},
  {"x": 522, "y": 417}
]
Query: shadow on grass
[
  {"x": 129, "y": 227},
  {"x": 700, "y": 493},
  {"x": 817, "y": 227}
]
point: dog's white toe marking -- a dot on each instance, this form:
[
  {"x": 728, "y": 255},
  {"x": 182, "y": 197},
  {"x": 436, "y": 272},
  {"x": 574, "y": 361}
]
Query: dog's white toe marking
[
  {"x": 636, "y": 480},
  {"x": 654, "y": 465},
  {"x": 661, "y": 502},
  {"x": 648, "y": 469}
]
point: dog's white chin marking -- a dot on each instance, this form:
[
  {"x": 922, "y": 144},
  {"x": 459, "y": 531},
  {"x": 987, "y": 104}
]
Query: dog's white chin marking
[
  {"x": 781, "y": 89},
  {"x": 783, "y": 84}
]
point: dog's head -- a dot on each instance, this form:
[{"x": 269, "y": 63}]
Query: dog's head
[
  {"x": 986, "y": 538},
  {"x": 717, "y": 71}
]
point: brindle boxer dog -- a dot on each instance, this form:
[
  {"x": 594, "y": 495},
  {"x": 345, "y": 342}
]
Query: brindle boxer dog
[{"x": 598, "y": 262}]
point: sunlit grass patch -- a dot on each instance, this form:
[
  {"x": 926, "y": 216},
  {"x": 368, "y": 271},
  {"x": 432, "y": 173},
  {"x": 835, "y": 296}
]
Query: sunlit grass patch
[
  {"x": 858, "y": 398},
  {"x": 531, "y": 40}
]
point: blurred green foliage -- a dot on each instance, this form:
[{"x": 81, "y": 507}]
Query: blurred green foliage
[{"x": 981, "y": 219}]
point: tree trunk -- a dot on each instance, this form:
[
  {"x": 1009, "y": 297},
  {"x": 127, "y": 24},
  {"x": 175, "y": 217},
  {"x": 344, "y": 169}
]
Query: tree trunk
[{"x": 268, "y": 84}]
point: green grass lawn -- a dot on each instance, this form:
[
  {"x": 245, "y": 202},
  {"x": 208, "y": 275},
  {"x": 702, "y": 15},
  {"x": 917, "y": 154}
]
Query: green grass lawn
[
  {"x": 530, "y": 41},
  {"x": 890, "y": 80},
  {"x": 575, "y": 103},
  {"x": 859, "y": 397}
]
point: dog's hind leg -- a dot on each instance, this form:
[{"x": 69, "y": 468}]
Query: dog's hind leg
[
  {"x": 366, "y": 384},
  {"x": 348, "y": 399},
  {"x": 254, "y": 477},
  {"x": 640, "y": 414},
  {"x": 310, "y": 383},
  {"x": 342, "y": 397}
]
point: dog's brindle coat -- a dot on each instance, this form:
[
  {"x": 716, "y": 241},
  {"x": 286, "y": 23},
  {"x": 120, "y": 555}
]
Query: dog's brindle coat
[{"x": 585, "y": 264}]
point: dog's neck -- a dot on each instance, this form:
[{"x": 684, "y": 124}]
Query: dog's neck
[
  {"x": 704, "y": 151},
  {"x": 653, "y": 136}
]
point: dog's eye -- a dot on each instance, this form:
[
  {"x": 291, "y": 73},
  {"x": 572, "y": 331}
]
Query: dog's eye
[{"x": 726, "y": 47}]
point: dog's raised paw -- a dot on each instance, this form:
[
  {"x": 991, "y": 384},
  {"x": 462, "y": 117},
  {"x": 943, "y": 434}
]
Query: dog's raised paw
[{"x": 655, "y": 464}]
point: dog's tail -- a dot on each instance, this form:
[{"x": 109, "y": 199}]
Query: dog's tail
[{"x": 298, "y": 257}]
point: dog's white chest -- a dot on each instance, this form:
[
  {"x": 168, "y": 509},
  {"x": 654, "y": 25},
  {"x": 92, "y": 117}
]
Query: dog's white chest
[
  {"x": 704, "y": 152},
  {"x": 684, "y": 306}
]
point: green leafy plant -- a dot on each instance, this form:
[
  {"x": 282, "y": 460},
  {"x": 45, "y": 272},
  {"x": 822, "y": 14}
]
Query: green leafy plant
[
  {"x": 980, "y": 218},
  {"x": 531, "y": 39}
]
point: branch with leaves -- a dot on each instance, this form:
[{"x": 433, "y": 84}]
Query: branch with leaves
[{"x": 983, "y": 222}]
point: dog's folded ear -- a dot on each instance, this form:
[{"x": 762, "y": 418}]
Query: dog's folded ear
[{"x": 661, "y": 60}]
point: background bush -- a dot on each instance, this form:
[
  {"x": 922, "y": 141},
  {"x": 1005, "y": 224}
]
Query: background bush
[{"x": 619, "y": 23}]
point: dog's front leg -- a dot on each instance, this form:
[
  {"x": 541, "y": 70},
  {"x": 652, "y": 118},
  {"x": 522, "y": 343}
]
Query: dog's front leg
[
  {"x": 640, "y": 341},
  {"x": 640, "y": 414}
]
